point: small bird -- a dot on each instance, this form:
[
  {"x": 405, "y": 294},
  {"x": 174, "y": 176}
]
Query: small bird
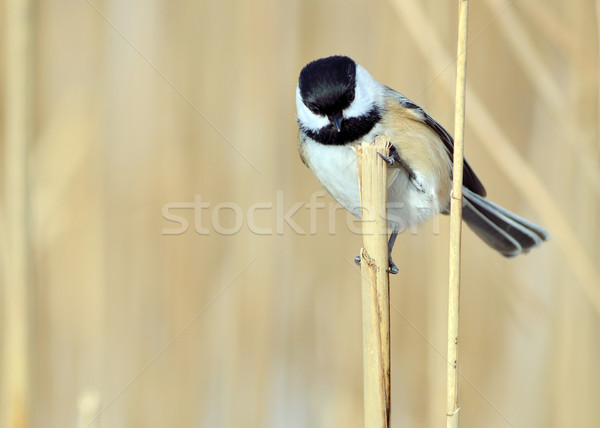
[{"x": 340, "y": 105}]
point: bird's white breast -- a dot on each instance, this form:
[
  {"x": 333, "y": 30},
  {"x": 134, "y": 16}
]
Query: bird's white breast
[{"x": 335, "y": 168}]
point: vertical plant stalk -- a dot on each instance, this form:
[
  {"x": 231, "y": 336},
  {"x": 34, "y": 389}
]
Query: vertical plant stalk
[
  {"x": 452, "y": 407},
  {"x": 16, "y": 404},
  {"x": 372, "y": 181}
]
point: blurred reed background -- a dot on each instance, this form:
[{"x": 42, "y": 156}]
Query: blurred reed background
[{"x": 122, "y": 109}]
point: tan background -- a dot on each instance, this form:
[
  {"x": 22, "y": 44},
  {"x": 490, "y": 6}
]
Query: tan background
[{"x": 138, "y": 104}]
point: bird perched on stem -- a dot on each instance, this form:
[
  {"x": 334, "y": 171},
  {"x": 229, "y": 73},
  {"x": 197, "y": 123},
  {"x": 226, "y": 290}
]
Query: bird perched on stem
[{"x": 340, "y": 105}]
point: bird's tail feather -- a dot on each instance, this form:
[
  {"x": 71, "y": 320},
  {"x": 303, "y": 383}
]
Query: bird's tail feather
[{"x": 502, "y": 230}]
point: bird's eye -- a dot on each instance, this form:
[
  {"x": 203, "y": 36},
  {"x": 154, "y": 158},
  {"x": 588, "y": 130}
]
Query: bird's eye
[
  {"x": 312, "y": 107},
  {"x": 351, "y": 95}
]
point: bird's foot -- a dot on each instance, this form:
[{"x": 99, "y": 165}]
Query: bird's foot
[
  {"x": 392, "y": 268},
  {"x": 393, "y": 158}
]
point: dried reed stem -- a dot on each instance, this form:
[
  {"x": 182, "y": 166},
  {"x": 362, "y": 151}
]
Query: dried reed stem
[
  {"x": 372, "y": 181},
  {"x": 452, "y": 415},
  {"x": 16, "y": 394}
]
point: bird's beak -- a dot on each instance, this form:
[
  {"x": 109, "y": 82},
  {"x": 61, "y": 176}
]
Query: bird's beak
[{"x": 337, "y": 121}]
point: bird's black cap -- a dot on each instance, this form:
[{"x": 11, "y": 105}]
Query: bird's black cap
[{"x": 327, "y": 84}]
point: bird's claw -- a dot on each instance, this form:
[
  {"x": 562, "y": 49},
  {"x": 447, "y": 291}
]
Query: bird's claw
[
  {"x": 387, "y": 159},
  {"x": 392, "y": 268},
  {"x": 393, "y": 158},
  {"x": 417, "y": 185}
]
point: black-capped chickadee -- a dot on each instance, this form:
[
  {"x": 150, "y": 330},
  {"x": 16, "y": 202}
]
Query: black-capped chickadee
[{"x": 340, "y": 105}]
